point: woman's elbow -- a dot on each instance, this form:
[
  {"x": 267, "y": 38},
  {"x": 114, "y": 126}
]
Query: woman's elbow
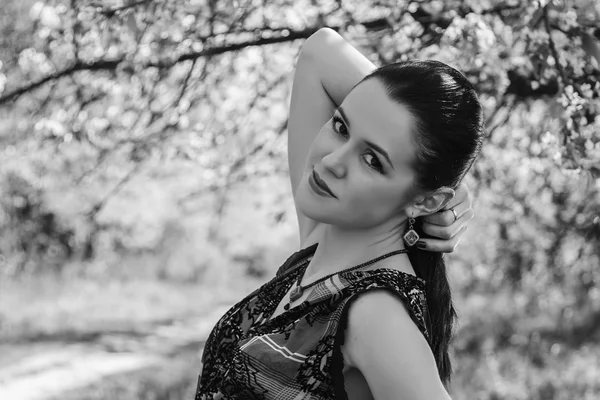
[{"x": 318, "y": 42}]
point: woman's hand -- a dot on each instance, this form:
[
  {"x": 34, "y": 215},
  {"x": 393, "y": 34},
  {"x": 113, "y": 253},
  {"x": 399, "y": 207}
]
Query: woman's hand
[{"x": 444, "y": 226}]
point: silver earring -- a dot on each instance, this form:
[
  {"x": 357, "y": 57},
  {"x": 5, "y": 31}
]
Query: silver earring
[{"x": 411, "y": 237}]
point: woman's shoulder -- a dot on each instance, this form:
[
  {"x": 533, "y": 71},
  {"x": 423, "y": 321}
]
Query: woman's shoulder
[
  {"x": 389, "y": 349},
  {"x": 380, "y": 300},
  {"x": 380, "y": 321}
]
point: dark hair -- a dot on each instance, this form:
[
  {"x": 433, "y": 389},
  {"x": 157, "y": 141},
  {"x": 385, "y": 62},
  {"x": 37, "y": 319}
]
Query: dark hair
[{"x": 448, "y": 137}]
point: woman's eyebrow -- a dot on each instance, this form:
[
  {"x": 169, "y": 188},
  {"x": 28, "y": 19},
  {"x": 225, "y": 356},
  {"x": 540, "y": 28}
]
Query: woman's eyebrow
[
  {"x": 381, "y": 151},
  {"x": 346, "y": 120},
  {"x": 378, "y": 148}
]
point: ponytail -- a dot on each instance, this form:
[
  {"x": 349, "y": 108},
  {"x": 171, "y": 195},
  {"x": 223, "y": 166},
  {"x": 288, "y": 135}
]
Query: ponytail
[{"x": 431, "y": 267}]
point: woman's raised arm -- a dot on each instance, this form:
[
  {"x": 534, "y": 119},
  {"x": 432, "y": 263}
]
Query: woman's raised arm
[{"x": 327, "y": 69}]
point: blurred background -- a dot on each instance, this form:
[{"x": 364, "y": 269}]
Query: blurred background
[{"x": 144, "y": 184}]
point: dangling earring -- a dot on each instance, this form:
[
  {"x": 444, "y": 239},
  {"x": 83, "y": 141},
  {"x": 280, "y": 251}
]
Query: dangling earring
[{"x": 411, "y": 237}]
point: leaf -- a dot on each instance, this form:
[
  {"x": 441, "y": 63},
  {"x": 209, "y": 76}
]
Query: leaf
[
  {"x": 558, "y": 5},
  {"x": 106, "y": 38},
  {"x": 593, "y": 177},
  {"x": 588, "y": 11},
  {"x": 132, "y": 24},
  {"x": 536, "y": 17},
  {"x": 591, "y": 47},
  {"x": 2, "y": 82}
]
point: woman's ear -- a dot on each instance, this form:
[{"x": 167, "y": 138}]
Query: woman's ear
[{"x": 433, "y": 202}]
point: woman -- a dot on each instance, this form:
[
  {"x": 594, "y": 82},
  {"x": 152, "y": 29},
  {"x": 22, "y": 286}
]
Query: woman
[{"x": 363, "y": 309}]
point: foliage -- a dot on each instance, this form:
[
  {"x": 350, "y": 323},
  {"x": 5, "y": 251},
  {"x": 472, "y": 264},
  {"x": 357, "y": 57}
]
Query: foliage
[{"x": 128, "y": 125}]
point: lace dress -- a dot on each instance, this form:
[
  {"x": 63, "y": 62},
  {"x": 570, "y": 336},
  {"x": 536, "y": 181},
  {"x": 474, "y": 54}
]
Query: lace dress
[{"x": 296, "y": 355}]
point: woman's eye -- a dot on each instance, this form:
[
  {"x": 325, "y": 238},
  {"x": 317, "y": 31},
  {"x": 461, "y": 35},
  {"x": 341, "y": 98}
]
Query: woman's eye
[
  {"x": 373, "y": 162},
  {"x": 339, "y": 126},
  {"x": 371, "y": 159}
]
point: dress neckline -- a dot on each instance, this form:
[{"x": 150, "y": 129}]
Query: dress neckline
[
  {"x": 303, "y": 254},
  {"x": 321, "y": 291}
]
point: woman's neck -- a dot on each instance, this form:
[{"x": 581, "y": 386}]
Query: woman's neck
[{"x": 340, "y": 249}]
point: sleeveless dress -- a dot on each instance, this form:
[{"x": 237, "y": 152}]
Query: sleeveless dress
[{"x": 296, "y": 355}]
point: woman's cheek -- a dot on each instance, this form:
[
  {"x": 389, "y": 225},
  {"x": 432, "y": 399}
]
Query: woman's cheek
[
  {"x": 316, "y": 150},
  {"x": 323, "y": 145}
]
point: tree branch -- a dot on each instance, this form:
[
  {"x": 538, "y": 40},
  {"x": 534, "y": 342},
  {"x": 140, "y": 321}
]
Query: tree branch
[
  {"x": 553, "y": 49},
  {"x": 285, "y": 35},
  {"x": 97, "y": 65},
  {"x": 111, "y": 11},
  {"x": 96, "y": 208},
  {"x": 112, "y": 65},
  {"x": 509, "y": 110}
]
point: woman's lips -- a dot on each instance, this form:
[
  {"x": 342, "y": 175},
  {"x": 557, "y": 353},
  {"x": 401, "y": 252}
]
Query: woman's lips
[{"x": 319, "y": 185}]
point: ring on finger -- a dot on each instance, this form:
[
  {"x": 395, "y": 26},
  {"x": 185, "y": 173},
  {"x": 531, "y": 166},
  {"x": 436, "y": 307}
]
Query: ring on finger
[{"x": 454, "y": 212}]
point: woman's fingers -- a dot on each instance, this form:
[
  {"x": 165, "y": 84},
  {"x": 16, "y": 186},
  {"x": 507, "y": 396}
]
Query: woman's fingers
[
  {"x": 447, "y": 232},
  {"x": 461, "y": 195},
  {"x": 447, "y": 217},
  {"x": 442, "y": 246},
  {"x": 461, "y": 203},
  {"x": 448, "y": 226}
]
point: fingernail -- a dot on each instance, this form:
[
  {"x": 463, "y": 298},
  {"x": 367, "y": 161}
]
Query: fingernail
[{"x": 421, "y": 245}]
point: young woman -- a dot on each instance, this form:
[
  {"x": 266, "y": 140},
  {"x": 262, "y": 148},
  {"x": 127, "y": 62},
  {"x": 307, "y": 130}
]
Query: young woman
[{"x": 363, "y": 309}]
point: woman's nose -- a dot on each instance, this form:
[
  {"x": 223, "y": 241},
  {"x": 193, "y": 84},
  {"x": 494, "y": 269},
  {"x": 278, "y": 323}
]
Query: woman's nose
[{"x": 334, "y": 162}]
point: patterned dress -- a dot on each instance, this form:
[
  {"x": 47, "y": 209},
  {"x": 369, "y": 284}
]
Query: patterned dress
[{"x": 296, "y": 355}]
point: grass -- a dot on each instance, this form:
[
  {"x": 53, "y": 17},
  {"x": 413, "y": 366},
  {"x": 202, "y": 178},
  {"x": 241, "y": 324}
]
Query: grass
[
  {"x": 54, "y": 309},
  {"x": 175, "y": 379},
  {"x": 513, "y": 374}
]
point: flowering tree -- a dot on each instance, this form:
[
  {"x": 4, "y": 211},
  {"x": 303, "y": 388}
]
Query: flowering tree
[
  {"x": 126, "y": 82},
  {"x": 107, "y": 105}
]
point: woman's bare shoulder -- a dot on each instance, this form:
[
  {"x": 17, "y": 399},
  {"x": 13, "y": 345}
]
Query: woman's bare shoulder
[{"x": 386, "y": 346}]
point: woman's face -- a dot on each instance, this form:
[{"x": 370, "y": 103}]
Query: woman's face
[{"x": 364, "y": 155}]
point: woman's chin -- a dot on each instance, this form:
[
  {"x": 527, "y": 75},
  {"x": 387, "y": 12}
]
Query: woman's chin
[{"x": 311, "y": 206}]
